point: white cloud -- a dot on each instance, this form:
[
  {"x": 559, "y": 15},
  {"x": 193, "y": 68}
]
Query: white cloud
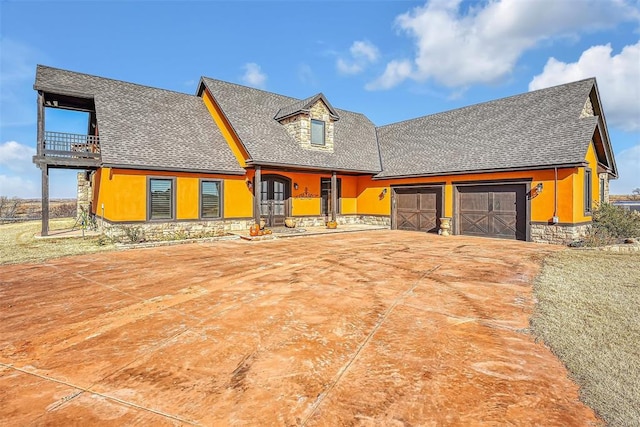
[
  {"x": 306, "y": 75},
  {"x": 364, "y": 49},
  {"x": 16, "y": 156},
  {"x": 628, "y": 162},
  {"x": 17, "y": 186},
  {"x": 482, "y": 43},
  {"x": 618, "y": 79},
  {"x": 362, "y": 54},
  {"x": 253, "y": 75},
  {"x": 395, "y": 72},
  {"x": 345, "y": 67}
]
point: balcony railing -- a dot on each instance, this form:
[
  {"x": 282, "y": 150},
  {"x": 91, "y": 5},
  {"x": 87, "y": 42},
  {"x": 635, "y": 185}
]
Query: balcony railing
[{"x": 60, "y": 144}]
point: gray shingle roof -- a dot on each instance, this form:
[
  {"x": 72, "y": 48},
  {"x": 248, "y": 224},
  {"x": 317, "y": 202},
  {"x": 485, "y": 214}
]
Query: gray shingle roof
[
  {"x": 146, "y": 127},
  {"x": 539, "y": 128},
  {"x": 251, "y": 113},
  {"x": 305, "y": 104}
]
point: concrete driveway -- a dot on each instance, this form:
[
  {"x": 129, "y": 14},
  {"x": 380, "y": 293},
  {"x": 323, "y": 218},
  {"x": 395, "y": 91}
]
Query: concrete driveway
[{"x": 367, "y": 328}]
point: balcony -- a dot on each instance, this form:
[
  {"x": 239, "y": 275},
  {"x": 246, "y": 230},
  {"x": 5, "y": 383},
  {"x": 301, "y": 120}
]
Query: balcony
[{"x": 69, "y": 149}]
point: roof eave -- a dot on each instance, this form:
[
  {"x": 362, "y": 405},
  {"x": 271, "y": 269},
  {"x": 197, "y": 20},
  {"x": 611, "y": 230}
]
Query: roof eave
[
  {"x": 238, "y": 172},
  {"x": 253, "y": 163},
  {"x": 491, "y": 170}
]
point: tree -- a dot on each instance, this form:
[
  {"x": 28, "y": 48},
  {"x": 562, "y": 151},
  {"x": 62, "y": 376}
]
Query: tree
[{"x": 636, "y": 193}]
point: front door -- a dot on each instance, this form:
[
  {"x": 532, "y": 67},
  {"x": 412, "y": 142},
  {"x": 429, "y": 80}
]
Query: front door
[{"x": 274, "y": 200}]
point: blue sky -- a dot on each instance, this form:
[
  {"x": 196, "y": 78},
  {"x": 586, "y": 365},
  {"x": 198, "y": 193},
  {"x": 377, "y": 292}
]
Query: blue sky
[{"x": 391, "y": 60}]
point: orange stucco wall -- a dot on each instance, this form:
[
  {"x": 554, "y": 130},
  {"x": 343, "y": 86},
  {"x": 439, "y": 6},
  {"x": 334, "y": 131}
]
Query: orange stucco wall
[
  {"x": 123, "y": 193},
  {"x": 372, "y": 201},
  {"x": 578, "y": 186}
]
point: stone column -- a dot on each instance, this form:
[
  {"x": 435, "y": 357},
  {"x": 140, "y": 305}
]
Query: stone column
[{"x": 84, "y": 193}]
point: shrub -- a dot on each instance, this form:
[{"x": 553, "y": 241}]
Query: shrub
[
  {"x": 616, "y": 221},
  {"x": 134, "y": 234},
  {"x": 9, "y": 207},
  {"x": 610, "y": 224},
  {"x": 63, "y": 210}
]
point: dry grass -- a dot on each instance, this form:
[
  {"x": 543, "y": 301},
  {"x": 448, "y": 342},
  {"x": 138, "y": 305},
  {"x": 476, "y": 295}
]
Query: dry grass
[
  {"x": 588, "y": 312},
  {"x": 18, "y": 243}
]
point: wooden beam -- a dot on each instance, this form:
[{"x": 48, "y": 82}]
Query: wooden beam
[
  {"x": 45, "y": 200},
  {"x": 334, "y": 195},
  {"x": 40, "y": 135},
  {"x": 257, "y": 193}
]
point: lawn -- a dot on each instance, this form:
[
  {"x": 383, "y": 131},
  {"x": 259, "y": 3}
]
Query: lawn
[
  {"x": 18, "y": 242},
  {"x": 588, "y": 313}
]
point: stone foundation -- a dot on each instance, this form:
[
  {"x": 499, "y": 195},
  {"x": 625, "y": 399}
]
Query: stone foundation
[
  {"x": 176, "y": 230},
  {"x": 319, "y": 221},
  {"x": 557, "y": 234},
  {"x": 180, "y": 230}
]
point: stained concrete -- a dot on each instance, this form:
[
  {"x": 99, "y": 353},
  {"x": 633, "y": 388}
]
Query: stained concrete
[{"x": 367, "y": 328}]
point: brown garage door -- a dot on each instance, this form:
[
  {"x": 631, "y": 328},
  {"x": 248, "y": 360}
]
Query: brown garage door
[
  {"x": 493, "y": 211},
  {"x": 417, "y": 209}
]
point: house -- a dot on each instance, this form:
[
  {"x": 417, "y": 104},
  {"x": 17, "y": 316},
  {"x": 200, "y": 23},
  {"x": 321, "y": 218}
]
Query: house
[{"x": 529, "y": 167}]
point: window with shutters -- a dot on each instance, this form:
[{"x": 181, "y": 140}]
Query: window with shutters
[
  {"x": 210, "y": 199},
  {"x": 161, "y": 201}
]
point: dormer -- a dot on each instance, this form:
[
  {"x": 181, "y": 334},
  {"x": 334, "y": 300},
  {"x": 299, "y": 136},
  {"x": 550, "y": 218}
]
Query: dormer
[{"x": 310, "y": 122}]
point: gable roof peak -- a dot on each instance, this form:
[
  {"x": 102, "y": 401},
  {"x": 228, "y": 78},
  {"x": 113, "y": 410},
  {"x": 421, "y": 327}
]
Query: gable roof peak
[{"x": 304, "y": 105}]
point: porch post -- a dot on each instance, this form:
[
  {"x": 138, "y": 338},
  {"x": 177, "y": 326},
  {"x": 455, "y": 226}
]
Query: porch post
[
  {"x": 45, "y": 199},
  {"x": 257, "y": 193},
  {"x": 44, "y": 167},
  {"x": 40, "y": 135},
  {"x": 334, "y": 195}
]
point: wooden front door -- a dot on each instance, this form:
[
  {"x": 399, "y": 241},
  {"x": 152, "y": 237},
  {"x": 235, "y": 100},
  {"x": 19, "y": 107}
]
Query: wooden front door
[
  {"x": 493, "y": 211},
  {"x": 274, "y": 200},
  {"x": 417, "y": 209}
]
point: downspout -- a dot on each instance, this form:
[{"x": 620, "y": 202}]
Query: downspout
[{"x": 555, "y": 219}]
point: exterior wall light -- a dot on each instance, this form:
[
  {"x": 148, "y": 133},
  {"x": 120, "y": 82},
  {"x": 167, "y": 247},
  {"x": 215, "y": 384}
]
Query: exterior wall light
[
  {"x": 295, "y": 186},
  {"x": 539, "y": 188},
  {"x": 381, "y": 196},
  {"x": 249, "y": 185}
]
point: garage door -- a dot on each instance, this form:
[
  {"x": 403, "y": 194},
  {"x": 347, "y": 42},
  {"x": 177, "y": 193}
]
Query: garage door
[
  {"x": 417, "y": 208},
  {"x": 493, "y": 211}
]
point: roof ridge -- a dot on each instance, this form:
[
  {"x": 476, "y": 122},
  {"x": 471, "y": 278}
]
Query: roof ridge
[
  {"x": 518, "y": 95},
  {"x": 251, "y": 87},
  {"x": 40, "y": 66}
]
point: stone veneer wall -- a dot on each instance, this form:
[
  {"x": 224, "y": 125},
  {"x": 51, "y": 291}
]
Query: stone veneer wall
[
  {"x": 175, "y": 230},
  {"x": 319, "y": 221},
  {"x": 587, "y": 110},
  {"x": 299, "y": 127},
  {"x": 85, "y": 193},
  {"x": 557, "y": 234},
  {"x": 605, "y": 177}
]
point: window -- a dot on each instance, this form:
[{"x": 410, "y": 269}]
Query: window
[
  {"x": 210, "y": 199},
  {"x": 325, "y": 190},
  {"x": 317, "y": 132},
  {"x": 161, "y": 199},
  {"x": 587, "y": 192}
]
